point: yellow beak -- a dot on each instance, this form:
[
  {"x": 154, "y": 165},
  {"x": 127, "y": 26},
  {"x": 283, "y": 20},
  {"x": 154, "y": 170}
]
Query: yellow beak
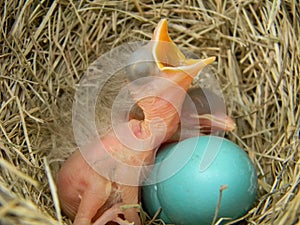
[{"x": 170, "y": 60}]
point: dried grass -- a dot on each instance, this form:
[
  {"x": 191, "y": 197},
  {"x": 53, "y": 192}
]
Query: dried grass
[{"x": 47, "y": 45}]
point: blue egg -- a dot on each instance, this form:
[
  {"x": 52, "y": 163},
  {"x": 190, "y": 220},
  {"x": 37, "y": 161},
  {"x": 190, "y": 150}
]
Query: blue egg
[{"x": 186, "y": 180}]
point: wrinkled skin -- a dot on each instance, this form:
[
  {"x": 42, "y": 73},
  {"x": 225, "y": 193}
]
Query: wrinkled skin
[
  {"x": 210, "y": 113},
  {"x": 89, "y": 195},
  {"x": 86, "y": 195}
]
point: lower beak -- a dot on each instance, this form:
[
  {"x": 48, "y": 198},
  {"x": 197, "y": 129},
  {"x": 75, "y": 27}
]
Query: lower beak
[
  {"x": 171, "y": 62},
  {"x": 209, "y": 122}
]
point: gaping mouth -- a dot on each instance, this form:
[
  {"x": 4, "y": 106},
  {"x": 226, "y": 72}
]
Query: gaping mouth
[{"x": 169, "y": 58}]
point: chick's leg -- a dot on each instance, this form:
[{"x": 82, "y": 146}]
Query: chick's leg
[
  {"x": 112, "y": 215},
  {"x": 129, "y": 195},
  {"x": 92, "y": 201}
]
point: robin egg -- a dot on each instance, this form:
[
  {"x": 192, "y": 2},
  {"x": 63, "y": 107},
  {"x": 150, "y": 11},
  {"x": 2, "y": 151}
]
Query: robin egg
[{"x": 200, "y": 180}]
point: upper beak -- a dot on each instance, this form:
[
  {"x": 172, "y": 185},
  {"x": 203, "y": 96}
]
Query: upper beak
[
  {"x": 174, "y": 71},
  {"x": 171, "y": 61}
]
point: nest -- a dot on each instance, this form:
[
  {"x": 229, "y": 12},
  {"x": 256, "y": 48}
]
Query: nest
[{"x": 46, "y": 46}]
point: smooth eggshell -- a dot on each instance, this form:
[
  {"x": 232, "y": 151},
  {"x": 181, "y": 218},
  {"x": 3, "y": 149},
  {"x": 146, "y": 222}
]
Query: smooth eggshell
[{"x": 190, "y": 196}]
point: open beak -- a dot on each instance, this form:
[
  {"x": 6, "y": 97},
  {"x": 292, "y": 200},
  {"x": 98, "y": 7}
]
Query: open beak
[
  {"x": 175, "y": 74},
  {"x": 171, "y": 66},
  {"x": 171, "y": 61}
]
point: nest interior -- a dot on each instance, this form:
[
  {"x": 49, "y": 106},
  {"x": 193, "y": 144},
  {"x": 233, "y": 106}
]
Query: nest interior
[{"x": 46, "y": 46}]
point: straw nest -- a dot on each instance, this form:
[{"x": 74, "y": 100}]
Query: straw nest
[{"x": 46, "y": 46}]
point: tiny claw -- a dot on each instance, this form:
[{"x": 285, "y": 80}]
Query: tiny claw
[
  {"x": 113, "y": 215},
  {"x": 122, "y": 222}
]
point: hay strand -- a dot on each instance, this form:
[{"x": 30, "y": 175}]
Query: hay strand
[{"x": 46, "y": 46}]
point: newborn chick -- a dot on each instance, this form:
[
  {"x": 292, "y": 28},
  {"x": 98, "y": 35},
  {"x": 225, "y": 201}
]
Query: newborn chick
[
  {"x": 94, "y": 185},
  {"x": 211, "y": 115}
]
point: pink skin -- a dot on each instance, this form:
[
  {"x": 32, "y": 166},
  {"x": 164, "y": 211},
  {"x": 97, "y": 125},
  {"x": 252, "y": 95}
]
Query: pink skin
[
  {"x": 88, "y": 197},
  {"x": 210, "y": 114},
  {"x": 84, "y": 194}
]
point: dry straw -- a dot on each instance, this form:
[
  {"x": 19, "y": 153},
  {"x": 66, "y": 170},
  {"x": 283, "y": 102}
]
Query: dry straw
[{"x": 45, "y": 47}]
